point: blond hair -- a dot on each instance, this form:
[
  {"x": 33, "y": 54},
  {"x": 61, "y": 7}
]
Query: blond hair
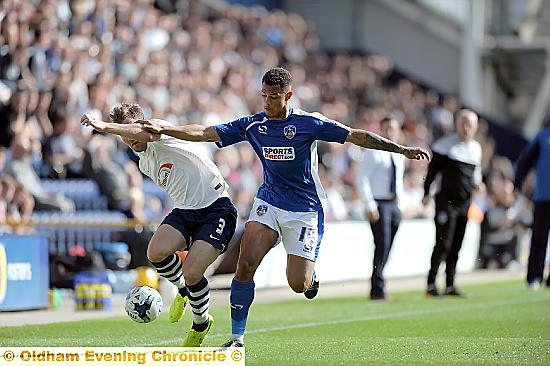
[{"x": 125, "y": 110}]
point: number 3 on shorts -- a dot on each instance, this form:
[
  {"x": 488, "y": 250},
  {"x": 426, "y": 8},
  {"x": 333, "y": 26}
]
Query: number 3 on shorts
[{"x": 221, "y": 225}]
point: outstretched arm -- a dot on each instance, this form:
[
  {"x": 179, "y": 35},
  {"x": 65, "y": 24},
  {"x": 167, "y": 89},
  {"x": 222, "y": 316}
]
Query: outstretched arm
[
  {"x": 195, "y": 133},
  {"x": 371, "y": 140},
  {"x": 134, "y": 131}
]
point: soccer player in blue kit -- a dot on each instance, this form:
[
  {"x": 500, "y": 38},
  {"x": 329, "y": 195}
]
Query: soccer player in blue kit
[{"x": 289, "y": 204}]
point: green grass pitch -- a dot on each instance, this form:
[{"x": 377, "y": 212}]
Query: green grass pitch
[{"x": 500, "y": 323}]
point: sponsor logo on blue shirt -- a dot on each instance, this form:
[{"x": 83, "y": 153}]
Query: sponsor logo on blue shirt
[{"x": 278, "y": 153}]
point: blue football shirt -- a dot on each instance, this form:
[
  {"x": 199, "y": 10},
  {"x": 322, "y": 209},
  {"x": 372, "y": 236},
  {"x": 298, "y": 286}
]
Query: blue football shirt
[{"x": 288, "y": 152}]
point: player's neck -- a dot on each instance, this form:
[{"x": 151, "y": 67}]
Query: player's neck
[{"x": 283, "y": 115}]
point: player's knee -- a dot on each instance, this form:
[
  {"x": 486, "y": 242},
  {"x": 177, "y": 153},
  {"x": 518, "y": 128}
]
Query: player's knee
[
  {"x": 245, "y": 269},
  {"x": 191, "y": 273},
  {"x": 298, "y": 285},
  {"x": 156, "y": 253}
]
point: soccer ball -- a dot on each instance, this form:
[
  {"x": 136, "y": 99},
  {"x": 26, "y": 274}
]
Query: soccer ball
[{"x": 143, "y": 304}]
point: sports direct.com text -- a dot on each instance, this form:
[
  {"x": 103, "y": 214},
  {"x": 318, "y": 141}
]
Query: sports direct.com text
[{"x": 278, "y": 153}]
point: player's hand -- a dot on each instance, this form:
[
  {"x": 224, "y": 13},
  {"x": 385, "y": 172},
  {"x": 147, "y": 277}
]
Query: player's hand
[
  {"x": 89, "y": 120},
  {"x": 373, "y": 216},
  {"x": 416, "y": 153},
  {"x": 151, "y": 126}
]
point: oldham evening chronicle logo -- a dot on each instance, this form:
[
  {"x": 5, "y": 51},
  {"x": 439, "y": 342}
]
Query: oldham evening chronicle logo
[
  {"x": 164, "y": 173},
  {"x": 3, "y": 273}
]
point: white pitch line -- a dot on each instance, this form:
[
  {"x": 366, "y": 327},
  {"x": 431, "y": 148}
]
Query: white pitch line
[{"x": 364, "y": 318}]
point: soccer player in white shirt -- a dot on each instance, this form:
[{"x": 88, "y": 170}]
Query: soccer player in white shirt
[
  {"x": 203, "y": 218},
  {"x": 289, "y": 203}
]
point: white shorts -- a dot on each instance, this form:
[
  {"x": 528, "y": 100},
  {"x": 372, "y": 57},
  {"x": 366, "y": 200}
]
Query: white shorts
[{"x": 300, "y": 232}]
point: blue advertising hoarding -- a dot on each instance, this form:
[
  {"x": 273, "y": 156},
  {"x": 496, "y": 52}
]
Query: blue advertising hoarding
[{"x": 24, "y": 272}]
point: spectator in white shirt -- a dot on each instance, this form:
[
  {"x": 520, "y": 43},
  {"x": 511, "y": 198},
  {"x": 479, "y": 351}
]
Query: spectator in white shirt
[{"x": 380, "y": 184}]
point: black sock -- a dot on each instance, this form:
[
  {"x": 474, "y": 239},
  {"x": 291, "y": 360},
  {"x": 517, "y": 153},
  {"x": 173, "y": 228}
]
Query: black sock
[
  {"x": 183, "y": 291},
  {"x": 199, "y": 299},
  {"x": 200, "y": 327}
]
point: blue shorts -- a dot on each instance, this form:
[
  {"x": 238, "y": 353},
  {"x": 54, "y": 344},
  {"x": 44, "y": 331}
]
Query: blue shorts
[{"x": 214, "y": 224}]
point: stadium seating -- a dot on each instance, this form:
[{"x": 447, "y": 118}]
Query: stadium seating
[
  {"x": 89, "y": 228},
  {"x": 84, "y": 192}
]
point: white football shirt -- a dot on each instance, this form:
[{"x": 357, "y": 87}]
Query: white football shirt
[{"x": 189, "y": 176}]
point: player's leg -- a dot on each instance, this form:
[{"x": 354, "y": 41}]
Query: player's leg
[
  {"x": 257, "y": 240},
  {"x": 260, "y": 235},
  {"x": 200, "y": 256},
  {"x": 301, "y": 235},
  {"x": 215, "y": 226},
  {"x": 313, "y": 288},
  {"x": 299, "y": 273},
  {"x": 161, "y": 252}
]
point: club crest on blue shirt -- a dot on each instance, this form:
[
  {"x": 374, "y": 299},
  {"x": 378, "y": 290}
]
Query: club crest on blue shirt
[
  {"x": 262, "y": 209},
  {"x": 290, "y": 131}
]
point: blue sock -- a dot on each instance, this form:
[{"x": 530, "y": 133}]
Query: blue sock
[{"x": 242, "y": 295}]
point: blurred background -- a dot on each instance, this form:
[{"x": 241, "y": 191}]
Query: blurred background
[{"x": 191, "y": 61}]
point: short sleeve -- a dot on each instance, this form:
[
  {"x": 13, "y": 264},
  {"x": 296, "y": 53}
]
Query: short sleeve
[
  {"x": 232, "y": 132},
  {"x": 329, "y": 130}
]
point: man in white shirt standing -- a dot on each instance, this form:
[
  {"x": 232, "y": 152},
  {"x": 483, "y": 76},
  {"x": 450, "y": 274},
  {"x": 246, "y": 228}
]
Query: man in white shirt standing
[
  {"x": 380, "y": 183},
  {"x": 203, "y": 220}
]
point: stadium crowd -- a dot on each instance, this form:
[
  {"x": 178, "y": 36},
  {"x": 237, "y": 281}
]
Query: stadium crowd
[{"x": 199, "y": 64}]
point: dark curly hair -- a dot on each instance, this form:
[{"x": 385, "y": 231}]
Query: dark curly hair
[
  {"x": 277, "y": 76},
  {"x": 125, "y": 110}
]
